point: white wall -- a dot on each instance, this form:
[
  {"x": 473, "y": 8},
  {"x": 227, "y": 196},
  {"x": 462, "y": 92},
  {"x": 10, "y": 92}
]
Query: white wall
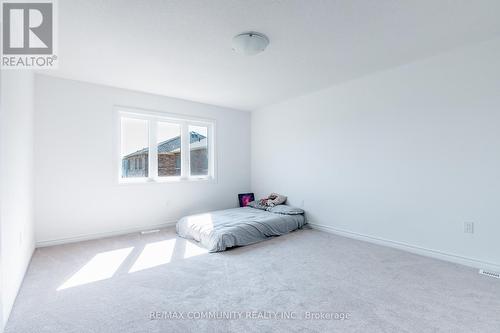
[
  {"x": 16, "y": 182},
  {"x": 76, "y": 189},
  {"x": 405, "y": 155}
]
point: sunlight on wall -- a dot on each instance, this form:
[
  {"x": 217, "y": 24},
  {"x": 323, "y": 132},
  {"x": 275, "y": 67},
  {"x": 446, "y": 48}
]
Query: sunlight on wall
[
  {"x": 193, "y": 250},
  {"x": 154, "y": 254},
  {"x": 100, "y": 267}
]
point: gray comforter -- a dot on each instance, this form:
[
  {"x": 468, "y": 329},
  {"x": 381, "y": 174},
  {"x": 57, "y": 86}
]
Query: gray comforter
[{"x": 236, "y": 227}]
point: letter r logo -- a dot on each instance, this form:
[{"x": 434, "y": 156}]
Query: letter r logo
[{"x": 27, "y": 28}]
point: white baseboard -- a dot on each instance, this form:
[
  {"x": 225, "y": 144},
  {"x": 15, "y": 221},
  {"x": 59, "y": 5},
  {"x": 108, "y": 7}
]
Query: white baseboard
[
  {"x": 79, "y": 238},
  {"x": 410, "y": 248}
]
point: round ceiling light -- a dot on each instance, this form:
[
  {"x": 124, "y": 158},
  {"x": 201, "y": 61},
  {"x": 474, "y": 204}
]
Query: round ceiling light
[{"x": 250, "y": 43}]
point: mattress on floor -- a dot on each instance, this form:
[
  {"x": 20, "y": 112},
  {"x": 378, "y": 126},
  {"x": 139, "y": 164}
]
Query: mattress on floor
[{"x": 222, "y": 229}]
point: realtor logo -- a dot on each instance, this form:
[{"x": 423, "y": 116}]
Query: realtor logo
[{"x": 28, "y": 35}]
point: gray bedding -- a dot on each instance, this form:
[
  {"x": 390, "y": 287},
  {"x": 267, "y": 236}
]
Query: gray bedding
[{"x": 222, "y": 229}]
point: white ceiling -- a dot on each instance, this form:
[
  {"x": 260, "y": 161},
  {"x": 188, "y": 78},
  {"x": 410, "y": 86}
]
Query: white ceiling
[{"x": 182, "y": 48}]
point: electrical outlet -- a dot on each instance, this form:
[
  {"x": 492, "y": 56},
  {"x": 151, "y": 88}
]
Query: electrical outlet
[{"x": 469, "y": 227}]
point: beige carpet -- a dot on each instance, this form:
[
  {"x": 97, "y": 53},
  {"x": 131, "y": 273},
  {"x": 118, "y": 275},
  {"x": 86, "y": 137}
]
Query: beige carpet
[{"x": 114, "y": 284}]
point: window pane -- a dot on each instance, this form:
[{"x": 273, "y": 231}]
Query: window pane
[
  {"x": 169, "y": 149},
  {"x": 198, "y": 150},
  {"x": 134, "y": 147}
]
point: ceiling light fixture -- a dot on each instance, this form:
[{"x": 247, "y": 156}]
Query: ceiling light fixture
[{"x": 250, "y": 43}]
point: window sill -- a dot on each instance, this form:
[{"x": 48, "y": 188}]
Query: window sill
[{"x": 165, "y": 180}]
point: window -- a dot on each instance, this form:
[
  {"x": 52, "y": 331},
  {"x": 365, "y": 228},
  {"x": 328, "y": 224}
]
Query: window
[
  {"x": 198, "y": 150},
  {"x": 134, "y": 143},
  {"x": 168, "y": 145},
  {"x": 159, "y": 147}
]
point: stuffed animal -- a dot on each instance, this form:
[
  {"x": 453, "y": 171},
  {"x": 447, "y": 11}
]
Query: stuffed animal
[{"x": 273, "y": 199}]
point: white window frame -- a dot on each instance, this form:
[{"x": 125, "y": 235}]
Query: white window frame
[{"x": 153, "y": 117}]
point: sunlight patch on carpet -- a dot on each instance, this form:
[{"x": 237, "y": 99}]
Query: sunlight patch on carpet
[
  {"x": 154, "y": 254},
  {"x": 102, "y": 266},
  {"x": 193, "y": 250}
]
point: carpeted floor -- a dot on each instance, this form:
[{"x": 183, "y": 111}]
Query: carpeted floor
[{"x": 114, "y": 284}]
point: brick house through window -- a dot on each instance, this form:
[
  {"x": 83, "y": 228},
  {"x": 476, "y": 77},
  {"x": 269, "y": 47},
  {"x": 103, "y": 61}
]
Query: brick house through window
[{"x": 169, "y": 158}]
